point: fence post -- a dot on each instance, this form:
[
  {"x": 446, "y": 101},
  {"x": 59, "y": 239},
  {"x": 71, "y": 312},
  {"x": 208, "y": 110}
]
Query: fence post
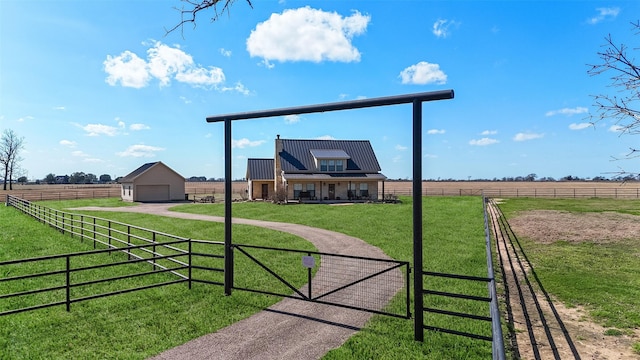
[
  {"x": 68, "y": 283},
  {"x": 109, "y": 232},
  {"x": 228, "y": 242},
  {"x": 94, "y": 232},
  {"x": 418, "y": 299},
  {"x": 309, "y": 279},
  {"x": 129, "y": 242},
  {"x": 189, "y": 262},
  {"x": 155, "y": 254}
]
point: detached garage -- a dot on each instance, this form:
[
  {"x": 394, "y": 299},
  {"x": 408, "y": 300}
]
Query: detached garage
[{"x": 153, "y": 182}]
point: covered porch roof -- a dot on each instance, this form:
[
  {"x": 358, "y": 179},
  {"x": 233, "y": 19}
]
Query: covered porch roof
[{"x": 334, "y": 177}]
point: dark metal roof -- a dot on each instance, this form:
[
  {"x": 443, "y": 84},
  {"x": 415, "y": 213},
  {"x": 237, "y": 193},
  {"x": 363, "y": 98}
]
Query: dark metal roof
[
  {"x": 260, "y": 169},
  {"x": 132, "y": 175},
  {"x": 296, "y": 155}
]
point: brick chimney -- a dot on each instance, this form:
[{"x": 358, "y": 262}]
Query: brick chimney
[{"x": 278, "y": 167}]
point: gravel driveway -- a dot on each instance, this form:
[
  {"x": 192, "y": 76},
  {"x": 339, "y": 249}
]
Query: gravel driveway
[{"x": 290, "y": 329}]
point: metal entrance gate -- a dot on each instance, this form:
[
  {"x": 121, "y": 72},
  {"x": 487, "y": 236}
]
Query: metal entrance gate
[
  {"x": 353, "y": 282},
  {"x": 416, "y": 100}
]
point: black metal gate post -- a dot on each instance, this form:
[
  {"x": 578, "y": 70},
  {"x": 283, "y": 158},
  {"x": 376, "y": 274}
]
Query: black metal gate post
[
  {"x": 228, "y": 188},
  {"x": 418, "y": 300}
]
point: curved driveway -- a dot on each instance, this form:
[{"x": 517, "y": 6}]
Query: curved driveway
[{"x": 290, "y": 329}]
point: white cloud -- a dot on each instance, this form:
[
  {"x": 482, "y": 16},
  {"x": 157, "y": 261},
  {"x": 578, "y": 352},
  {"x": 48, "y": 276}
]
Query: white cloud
[
  {"x": 164, "y": 63},
  {"x": 67, "y": 143},
  {"x": 266, "y": 64},
  {"x": 244, "y": 142},
  {"x": 185, "y": 100},
  {"x": 423, "y": 73},
  {"x": 26, "y": 118},
  {"x": 435, "y": 131},
  {"x": 401, "y": 148},
  {"x": 128, "y": 69},
  {"x": 489, "y": 132},
  {"x": 292, "y": 119},
  {"x": 138, "y": 127},
  {"x": 527, "y": 136},
  {"x": 580, "y": 126},
  {"x": 397, "y": 159},
  {"x": 441, "y": 27},
  {"x": 59, "y": 108},
  {"x": 325, "y": 137},
  {"x": 604, "y": 14},
  {"x": 99, "y": 129},
  {"x": 568, "y": 111},
  {"x": 140, "y": 151},
  {"x": 483, "y": 142},
  {"x": 79, "y": 153},
  {"x": 201, "y": 77},
  {"x": 307, "y": 34},
  {"x": 616, "y": 128},
  {"x": 238, "y": 87},
  {"x": 225, "y": 52},
  {"x": 431, "y": 156}
]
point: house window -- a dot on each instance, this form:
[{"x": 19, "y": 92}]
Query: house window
[
  {"x": 364, "y": 190},
  {"x": 331, "y": 165},
  {"x": 351, "y": 190},
  {"x": 297, "y": 188},
  {"x": 311, "y": 189},
  {"x": 123, "y": 190},
  {"x": 129, "y": 190}
]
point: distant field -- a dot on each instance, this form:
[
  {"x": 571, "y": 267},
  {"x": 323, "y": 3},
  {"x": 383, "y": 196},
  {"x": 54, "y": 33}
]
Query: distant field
[{"x": 560, "y": 189}]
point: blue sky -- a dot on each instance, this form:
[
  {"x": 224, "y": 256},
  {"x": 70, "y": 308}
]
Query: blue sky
[{"x": 97, "y": 86}]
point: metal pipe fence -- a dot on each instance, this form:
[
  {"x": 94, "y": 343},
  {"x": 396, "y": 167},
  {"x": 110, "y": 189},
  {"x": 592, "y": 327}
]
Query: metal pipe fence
[
  {"x": 529, "y": 192},
  {"x": 161, "y": 258}
]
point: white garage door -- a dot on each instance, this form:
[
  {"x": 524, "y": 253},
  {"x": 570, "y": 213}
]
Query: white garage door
[{"x": 152, "y": 193}]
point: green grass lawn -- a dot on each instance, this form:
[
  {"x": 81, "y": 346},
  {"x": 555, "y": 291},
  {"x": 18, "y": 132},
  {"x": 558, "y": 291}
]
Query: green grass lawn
[
  {"x": 130, "y": 326},
  {"x": 602, "y": 277},
  {"x": 141, "y": 324}
]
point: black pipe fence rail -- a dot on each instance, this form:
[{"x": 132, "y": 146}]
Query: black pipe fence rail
[
  {"x": 493, "y": 331},
  {"x": 161, "y": 259}
]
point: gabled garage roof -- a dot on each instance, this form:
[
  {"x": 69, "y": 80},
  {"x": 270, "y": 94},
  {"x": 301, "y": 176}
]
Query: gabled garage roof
[{"x": 142, "y": 169}]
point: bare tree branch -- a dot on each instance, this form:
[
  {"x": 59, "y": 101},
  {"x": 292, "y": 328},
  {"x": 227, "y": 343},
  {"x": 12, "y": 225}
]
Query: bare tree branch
[
  {"x": 624, "y": 108},
  {"x": 191, "y": 8}
]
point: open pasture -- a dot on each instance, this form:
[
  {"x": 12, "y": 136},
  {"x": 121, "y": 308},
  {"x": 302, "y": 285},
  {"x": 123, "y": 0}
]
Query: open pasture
[{"x": 536, "y": 189}]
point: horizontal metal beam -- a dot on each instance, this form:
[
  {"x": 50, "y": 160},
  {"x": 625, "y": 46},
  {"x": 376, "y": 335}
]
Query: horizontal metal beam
[{"x": 343, "y": 105}]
